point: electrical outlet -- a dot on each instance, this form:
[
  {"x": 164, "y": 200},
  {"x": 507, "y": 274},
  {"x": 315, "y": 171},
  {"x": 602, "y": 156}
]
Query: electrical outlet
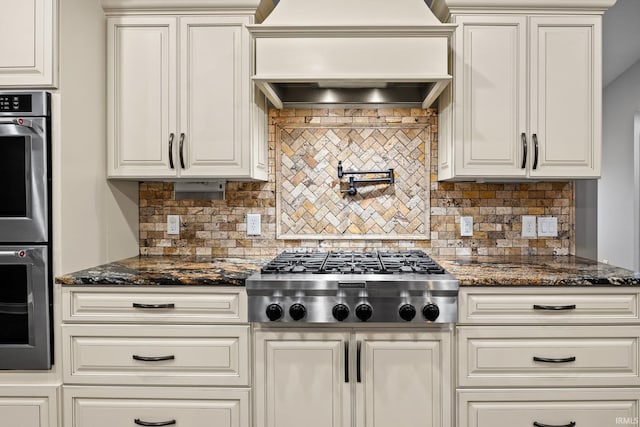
[
  {"x": 547, "y": 226},
  {"x": 529, "y": 226},
  {"x": 466, "y": 226},
  {"x": 253, "y": 224},
  {"x": 173, "y": 224}
]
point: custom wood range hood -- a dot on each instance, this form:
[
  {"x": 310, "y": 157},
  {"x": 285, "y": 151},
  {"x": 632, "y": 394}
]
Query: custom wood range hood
[{"x": 349, "y": 52}]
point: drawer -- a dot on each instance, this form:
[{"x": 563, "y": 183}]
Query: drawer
[
  {"x": 156, "y": 354},
  {"x": 548, "y": 356},
  {"x": 558, "y": 408},
  {"x": 548, "y": 305},
  {"x": 154, "y": 304},
  {"x": 29, "y": 406},
  {"x": 115, "y": 406}
]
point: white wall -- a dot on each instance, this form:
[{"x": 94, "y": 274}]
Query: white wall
[
  {"x": 616, "y": 190},
  {"x": 95, "y": 221}
]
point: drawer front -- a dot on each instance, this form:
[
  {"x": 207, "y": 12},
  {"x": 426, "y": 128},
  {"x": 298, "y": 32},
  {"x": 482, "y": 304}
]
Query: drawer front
[
  {"x": 144, "y": 406},
  {"x": 548, "y": 356},
  {"x": 154, "y": 354},
  {"x": 157, "y": 305},
  {"x": 541, "y": 305},
  {"x": 590, "y": 408},
  {"x": 29, "y": 406}
]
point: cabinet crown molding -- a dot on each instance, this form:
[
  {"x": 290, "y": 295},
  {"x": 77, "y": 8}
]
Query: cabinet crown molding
[
  {"x": 443, "y": 8},
  {"x": 231, "y": 5}
]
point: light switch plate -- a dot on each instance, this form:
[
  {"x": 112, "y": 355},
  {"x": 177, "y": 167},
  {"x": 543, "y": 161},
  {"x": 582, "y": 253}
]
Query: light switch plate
[
  {"x": 173, "y": 224},
  {"x": 466, "y": 226},
  {"x": 253, "y": 224},
  {"x": 547, "y": 226},
  {"x": 529, "y": 226}
]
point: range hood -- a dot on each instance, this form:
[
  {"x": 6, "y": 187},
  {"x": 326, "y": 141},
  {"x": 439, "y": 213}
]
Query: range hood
[{"x": 351, "y": 52}]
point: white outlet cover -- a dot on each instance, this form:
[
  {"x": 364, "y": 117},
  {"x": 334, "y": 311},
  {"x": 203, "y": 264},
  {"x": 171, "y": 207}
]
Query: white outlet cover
[
  {"x": 253, "y": 224},
  {"x": 529, "y": 226},
  {"x": 466, "y": 226},
  {"x": 173, "y": 224},
  {"x": 547, "y": 226}
]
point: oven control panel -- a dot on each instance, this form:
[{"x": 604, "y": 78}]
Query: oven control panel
[{"x": 15, "y": 103}]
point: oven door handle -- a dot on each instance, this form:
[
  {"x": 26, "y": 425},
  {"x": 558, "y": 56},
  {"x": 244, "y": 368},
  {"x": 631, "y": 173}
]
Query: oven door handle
[
  {"x": 22, "y": 253},
  {"x": 14, "y": 308},
  {"x": 24, "y": 123}
]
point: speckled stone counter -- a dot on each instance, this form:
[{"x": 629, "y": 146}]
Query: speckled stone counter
[
  {"x": 167, "y": 270},
  {"x": 536, "y": 271}
]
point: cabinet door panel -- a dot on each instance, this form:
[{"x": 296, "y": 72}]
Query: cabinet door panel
[
  {"x": 566, "y": 88},
  {"x": 142, "y": 91},
  {"x": 300, "y": 376},
  {"x": 405, "y": 380},
  {"x": 213, "y": 86},
  {"x": 28, "y": 406},
  {"x": 492, "y": 95},
  {"x": 27, "y": 56}
]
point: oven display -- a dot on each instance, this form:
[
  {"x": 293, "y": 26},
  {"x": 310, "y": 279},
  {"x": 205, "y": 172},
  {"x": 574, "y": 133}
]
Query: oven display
[{"x": 15, "y": 103}]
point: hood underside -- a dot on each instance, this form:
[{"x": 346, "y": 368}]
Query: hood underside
[{"x": 351, "y": 52}]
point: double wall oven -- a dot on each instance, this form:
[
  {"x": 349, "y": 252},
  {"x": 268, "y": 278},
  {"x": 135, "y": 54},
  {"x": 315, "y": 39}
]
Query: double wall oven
[{"x": 25, "y": 231}]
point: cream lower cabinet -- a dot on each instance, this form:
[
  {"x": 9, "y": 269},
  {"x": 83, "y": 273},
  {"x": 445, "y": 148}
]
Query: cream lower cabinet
[
  {"x": 180, "y": 99},
  {"x": 560, "y": 357},
  {"x": 526, "y": 99},
  {"x": 152, "y": 356},
  {"x": 28, "y": 55},
  {"x": 343, "y": 378},
  {"x": 29, "y": 406}
]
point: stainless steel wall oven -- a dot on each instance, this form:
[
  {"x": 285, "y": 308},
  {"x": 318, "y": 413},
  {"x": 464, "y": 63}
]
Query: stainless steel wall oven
[{"x": 25, "y": 231}]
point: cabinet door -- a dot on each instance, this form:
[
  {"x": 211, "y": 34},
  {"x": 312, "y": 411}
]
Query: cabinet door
[
  {"x": 300, "y": 379},
  {"x": 29, "y": 406},
  {"x": 214, "y": 97},
  {"x": 27, "y": 54},
  {"x": 405, "y": 379},
  {"x": 141, "y": 98},
  {"x": 490, "y": 96},
  {"x": 566, "y": 91}
]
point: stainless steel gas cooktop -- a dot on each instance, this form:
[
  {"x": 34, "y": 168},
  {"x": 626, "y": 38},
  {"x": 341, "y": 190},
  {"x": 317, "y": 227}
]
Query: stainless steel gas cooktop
[{"x": 353, "y": 286}]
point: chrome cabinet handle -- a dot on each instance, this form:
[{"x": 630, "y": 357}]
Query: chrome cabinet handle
[
  {"x": 171, "y": 136},
  {"x": 181, "y": 149},
  {"x": 153, "y": 358},
  {"x": 535, "y": 151},
  {"x": 554, "y": 307},
  {"x": 157, "y": 306},
  {"x": 358, "y": 362},
  {"x": 346, "y": 361},
  {"x": 158, "y": 424},
  {"x": 548, "y": 360},
  {"x": 523, "y": 136},
  {"x": 537, "y": 424}
]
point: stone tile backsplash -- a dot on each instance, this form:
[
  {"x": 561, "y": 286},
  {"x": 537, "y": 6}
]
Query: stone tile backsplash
[{"x": 217, "y": 227}]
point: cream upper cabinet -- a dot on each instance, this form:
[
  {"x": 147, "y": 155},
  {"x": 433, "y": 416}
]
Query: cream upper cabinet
[
  {"x": 526, "y": 99},
  {"x": 28, "y": 55},
  {"x": 180, "y": 101},
  {"x": 344, "y": 378}
]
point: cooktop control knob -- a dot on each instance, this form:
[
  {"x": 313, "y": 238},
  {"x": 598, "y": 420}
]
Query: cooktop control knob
[
  {"x": 340, "y": 312},
  {"x": 274, "y": 311},
  {"x": 431, "y": 312},
  {"x": 297, "y": 311},
  {"x": 407, "y": 312},
  {"x": 364, "y": 312}
]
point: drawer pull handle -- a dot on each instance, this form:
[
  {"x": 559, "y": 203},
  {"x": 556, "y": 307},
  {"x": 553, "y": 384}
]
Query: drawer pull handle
[
  {"x": 554, "y": 307},
  {"x": 346, "y": 361},
  {"x": 153, "y": 358},
  {"x": 137, "y": 305},
  {"x": 149, "y": 424},
  {"x": 548, "y": 360},
  {"x": 537, "y": 424}
]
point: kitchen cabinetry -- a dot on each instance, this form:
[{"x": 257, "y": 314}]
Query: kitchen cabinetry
[
  {"x": 567, "y": 356},
  {"x": 29, "y": 406},
  {"x": 155, "y": 355},
  {"x": 180, "y": 99},
  {"x": 28, "y": 55},
  {"x": 526, "y": 99},
  {"x": 341, "y": 377}
]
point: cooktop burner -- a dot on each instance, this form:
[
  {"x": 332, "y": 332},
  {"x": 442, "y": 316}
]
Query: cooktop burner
[{"x": 354, "y": 262}]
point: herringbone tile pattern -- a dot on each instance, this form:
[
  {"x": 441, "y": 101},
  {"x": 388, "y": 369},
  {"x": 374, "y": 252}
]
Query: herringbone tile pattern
[{"x": 311, "y": 205}]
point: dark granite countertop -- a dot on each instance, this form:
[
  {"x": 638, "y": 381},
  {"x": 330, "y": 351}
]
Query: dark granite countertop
[
  {"x": 167, "y": 270},
  {"x": 536, "y": 271},
  {"x": 471, "y": 271}
]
